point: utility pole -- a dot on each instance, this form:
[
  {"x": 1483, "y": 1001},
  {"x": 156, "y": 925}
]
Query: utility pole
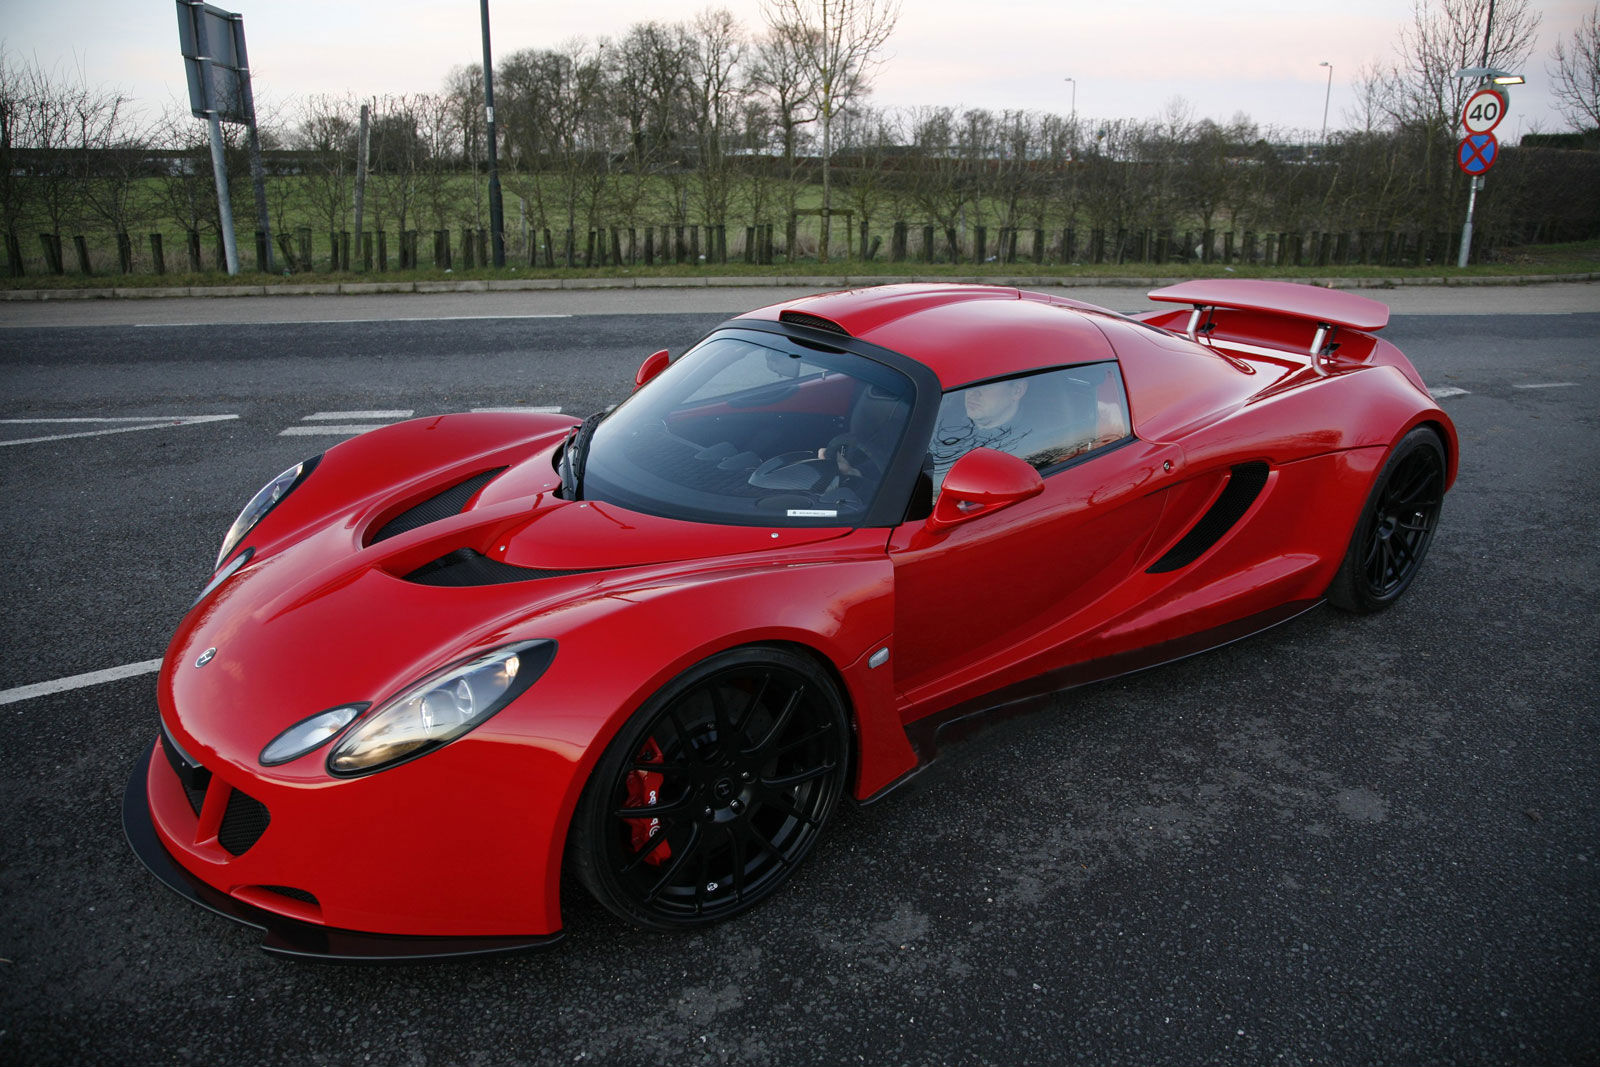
[{"x": 497, "y": 225}]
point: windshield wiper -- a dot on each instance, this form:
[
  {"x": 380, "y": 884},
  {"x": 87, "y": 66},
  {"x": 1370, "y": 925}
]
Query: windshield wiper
[{"x": 575, "y": 456}]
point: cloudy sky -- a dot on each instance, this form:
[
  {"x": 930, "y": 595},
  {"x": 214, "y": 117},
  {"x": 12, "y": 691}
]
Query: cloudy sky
[{"x": 1127, "y": 58}]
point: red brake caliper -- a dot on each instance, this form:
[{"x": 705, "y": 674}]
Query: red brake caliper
[{"x": 643, "y": 789}]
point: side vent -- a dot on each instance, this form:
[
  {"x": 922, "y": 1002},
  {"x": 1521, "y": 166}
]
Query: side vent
[
  {"x": 440, "y": 506},
  {"x": 1244, "y": 485},
  {"x": 816, "y": 322},
  {"x": 465, "y": 568}
]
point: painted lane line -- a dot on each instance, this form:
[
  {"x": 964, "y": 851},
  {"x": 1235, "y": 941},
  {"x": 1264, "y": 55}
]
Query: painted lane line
[
  {"x": 335, "y": 416},
  {"x": 79, "y": 681},
  {"x": 1445, "y": 391},
  {"x": 336, "y": 322},
  {"x": 164, "y": 424},
  {"x": 1545, "y": 385},
  {"x": 329, "y": 429},
  {"x": 554, "y": 409}
]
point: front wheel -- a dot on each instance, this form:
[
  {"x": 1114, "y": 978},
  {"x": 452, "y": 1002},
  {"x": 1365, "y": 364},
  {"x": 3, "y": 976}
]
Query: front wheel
[
  {"x": 714, "y": 791},
  {"x": 1396, "y": 526}
]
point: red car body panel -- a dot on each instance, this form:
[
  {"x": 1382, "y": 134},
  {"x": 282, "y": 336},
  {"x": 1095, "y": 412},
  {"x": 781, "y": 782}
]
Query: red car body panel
[{"x": 1062, "y": 586}]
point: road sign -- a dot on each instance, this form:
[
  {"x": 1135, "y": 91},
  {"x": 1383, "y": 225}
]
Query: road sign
[
  {"x": 1484, "y": 110},
  {"x": 1476, "y": 154}
]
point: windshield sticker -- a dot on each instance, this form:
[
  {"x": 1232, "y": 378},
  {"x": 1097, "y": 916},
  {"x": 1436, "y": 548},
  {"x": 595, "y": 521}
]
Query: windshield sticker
[{"x": 812, "y": 513}]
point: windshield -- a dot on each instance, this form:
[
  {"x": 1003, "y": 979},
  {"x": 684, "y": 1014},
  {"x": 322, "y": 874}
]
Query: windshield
[{"x": 753, "y": 429}]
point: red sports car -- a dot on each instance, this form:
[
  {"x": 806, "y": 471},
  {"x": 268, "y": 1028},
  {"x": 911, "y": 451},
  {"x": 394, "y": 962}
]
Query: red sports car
[{"x": 451, "y": 659}]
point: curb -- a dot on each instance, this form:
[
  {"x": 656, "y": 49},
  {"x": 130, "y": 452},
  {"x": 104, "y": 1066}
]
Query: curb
[{"x": 776, "y": 281}]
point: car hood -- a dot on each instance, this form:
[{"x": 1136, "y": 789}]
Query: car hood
[{"x": 332, "y": 616}]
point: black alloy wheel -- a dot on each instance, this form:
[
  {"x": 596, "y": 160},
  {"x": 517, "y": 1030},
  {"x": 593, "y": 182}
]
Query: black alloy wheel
[
  {"x": 714, "y": 791},
  {"x": 1396, "y": 526}
]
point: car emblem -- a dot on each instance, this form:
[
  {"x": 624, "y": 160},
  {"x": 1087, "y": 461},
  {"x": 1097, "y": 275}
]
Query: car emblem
[{"x": 206, "y": 657}]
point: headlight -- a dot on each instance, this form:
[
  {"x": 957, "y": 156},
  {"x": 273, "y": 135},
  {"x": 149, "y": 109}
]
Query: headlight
[
  {"x": 308, "y": 734},
  {"x": 440, "y": 708},
  {"x": 263, "y": 502}
]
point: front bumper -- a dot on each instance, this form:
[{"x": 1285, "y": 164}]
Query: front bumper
[{"x": 285, "y": 935}]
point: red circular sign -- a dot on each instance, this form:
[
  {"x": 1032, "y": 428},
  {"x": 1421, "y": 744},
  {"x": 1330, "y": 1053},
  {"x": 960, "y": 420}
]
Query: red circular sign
[
  {"x": 1484, "y": 111},
  {"x": 1475, "y": 154}
]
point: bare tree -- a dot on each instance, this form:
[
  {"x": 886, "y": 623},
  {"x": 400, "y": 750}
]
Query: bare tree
[
  {"x": 782, "y": 78},
  {"x": 1575, "y": 77},
  {"x": 714, "y": 61},
  {"x": 839, "y": 42},
  {"x": 1446, "y": 36}
]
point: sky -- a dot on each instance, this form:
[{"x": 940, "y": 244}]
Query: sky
[{"x": 1125, "y": 59}]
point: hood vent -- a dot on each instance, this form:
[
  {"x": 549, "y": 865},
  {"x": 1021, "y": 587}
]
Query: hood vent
[
  {"x": 816, "y": 322},
  {"x": 1244, "y": 485},
  {"x": 465, "y": 568},
  {"x": 440, "y": 506}
]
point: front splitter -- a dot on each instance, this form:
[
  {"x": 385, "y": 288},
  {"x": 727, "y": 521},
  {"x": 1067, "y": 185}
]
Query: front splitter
[{"x": 285, "y": 936}]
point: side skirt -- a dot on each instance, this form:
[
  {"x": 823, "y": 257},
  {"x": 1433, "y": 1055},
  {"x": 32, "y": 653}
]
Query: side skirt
[{"x": 963, "y": 720}]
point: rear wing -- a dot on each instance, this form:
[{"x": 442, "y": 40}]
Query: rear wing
[{"x": 1328, "y": 308}]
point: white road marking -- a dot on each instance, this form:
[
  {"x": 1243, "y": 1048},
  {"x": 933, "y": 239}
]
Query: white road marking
[
  {"x": 1445, "y": 391},
  {"x": 79, "y": 681},
  {"x": 336, "y": 322},
  {"x": 548, "y": 410},
  {"x": 335, "y": 416},
  {"x": 1545, "y": 385},
  {"x": 329, "y": 429},
  {"x": 151, "y": 422}
]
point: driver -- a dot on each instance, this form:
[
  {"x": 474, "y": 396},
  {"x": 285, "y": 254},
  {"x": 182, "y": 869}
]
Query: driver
[{"x": 989, "y": 417}]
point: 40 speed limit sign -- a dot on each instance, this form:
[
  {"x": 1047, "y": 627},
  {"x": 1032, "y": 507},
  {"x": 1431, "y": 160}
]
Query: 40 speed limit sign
[{"x": 1483, "y": 112}]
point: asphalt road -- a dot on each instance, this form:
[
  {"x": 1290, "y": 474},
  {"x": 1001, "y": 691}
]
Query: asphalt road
[{"x": 1348, "y": 840}]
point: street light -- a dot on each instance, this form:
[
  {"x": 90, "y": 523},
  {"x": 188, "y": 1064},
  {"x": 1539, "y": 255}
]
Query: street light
[
  {"x": 1074, "y": 100},
  {"x": 1326, "y": 97}
]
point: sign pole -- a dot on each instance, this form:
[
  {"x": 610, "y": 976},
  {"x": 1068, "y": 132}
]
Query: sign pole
[
  {"x": 1466, "y": 230},
  {"x": 219, "y": 166},
  {"x": 258, "y": 177}
]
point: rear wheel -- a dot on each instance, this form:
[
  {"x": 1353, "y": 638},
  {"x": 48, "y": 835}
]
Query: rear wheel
[
  {"x": 714, "y": 791},
  {"x": 1396, "y": 527}
]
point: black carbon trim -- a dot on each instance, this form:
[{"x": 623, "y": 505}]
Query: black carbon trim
[
  {"x": 816, "y": 322},
  {"x": 465, "y": 568},
  {"x": 439, "y": 506},
  {"x": 243, "y": 823},
  {"x": 1244, "y": 485},
  {"x": 304, "y": 896}
]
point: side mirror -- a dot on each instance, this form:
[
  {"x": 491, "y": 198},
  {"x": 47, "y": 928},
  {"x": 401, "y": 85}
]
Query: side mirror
[
  {"x": 982, "y": 482},
  {"x": 652, "y": 366}
]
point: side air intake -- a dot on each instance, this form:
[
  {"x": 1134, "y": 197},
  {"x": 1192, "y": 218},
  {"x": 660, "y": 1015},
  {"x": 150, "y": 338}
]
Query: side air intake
[
  {"x": 816, "y": 322},
  {"x": 1244, "y": 485},
  {"x": 439, "y": 506}
]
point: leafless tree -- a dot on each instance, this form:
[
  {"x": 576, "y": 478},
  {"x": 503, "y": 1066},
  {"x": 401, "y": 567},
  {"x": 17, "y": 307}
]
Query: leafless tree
[
  {"x": 715, "y": 82},
  {"x": 1446, "y": 36},
  {"x": 780, "y": 76},
  {"x": 1575, "y": 76},
  {"x": 840, "y": 43}
]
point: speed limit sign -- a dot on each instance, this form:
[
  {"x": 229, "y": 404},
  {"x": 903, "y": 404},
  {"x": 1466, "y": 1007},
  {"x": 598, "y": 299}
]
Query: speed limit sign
[{"x": 1483, "y": 112}]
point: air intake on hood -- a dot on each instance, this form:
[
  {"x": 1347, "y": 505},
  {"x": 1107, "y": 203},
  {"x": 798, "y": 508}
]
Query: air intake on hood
[
  {"x": 439, "y": 506},
  {"x": 464, "y": 568}
]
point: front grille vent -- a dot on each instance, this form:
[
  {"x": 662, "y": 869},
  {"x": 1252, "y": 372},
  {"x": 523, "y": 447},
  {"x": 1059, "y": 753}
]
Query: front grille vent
[
  {"x": 816, "y": 322},
  {"x": 243, "y": 823},
  {"x": 439, "y": 506},
  {"x": 302, "y": 895},
  {"x": 465, "y": 568},
  {"x": 1244, "y": 485}
]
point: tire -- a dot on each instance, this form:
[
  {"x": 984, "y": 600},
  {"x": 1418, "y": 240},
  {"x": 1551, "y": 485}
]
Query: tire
[
  {"x": 678, "y": 828},
  {"x": 1396, "y": 527}
]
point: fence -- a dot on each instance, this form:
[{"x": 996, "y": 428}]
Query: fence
[{"x": 757, "y": 244}]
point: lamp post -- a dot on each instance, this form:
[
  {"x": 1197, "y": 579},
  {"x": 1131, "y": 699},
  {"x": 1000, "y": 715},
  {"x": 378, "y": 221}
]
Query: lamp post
[
  {"x": 497, "y": 223},
  {"x": 1326, "y": 97},
  {"x": 1074, "y": 99}
]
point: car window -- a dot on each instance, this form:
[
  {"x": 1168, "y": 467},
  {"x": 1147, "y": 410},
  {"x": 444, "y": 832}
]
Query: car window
[
  {"x": 1048, "y": 419},
  {"x": 753, "y": 428}
]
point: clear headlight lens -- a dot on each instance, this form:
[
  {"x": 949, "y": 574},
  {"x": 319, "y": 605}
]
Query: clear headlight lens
[
  {"x": 440, "y": 709},
  {"x": 263, "y": 502},
  {"x": 309, "y": 734}
]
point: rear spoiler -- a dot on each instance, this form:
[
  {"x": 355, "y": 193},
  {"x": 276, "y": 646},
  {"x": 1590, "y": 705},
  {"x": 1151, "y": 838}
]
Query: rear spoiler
[{"x": 1328, "y": 308}]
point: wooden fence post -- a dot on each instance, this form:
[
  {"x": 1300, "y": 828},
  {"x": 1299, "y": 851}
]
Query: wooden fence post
[
  {"x": 649, "y": 246},
  {"x": 980, "y": 243},
  {"x": 366, "y": 250},
  {"x": 344, "y": 249},
  {"x": 261, "y": 250},
  {"x": 14, "y": 255},
  {"x": 383, "y": 250},
  {"x": 1038, "y": 245},
  {"x": 81, "y": 246},
  {"x": 124, "y": 252},
  {"x": 304, "y": 234},
  {"x": 616, "y": 247},
  {"x": 158, "y": 261},
  {"x": 1069, "y": 245},
  {"x": 192, "y": 243},
  {"x": 286, "y": 246}
]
